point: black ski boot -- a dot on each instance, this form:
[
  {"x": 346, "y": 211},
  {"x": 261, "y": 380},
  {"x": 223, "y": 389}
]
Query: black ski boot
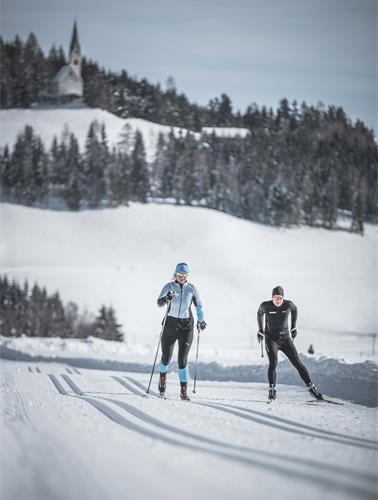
[
  {"x": 314, "y": 392},
  {"x": 162, "y": 381},
  {"x": 272, "y": 393},
  {"x": 184, "y": 391}
]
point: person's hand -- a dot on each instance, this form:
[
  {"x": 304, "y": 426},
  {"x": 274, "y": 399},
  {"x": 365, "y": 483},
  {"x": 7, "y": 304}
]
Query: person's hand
[
  {"x": 293, "y": 333},
  {"x": 201, "y": 325},
  {"x": 169, "y": 296},
  {"x": 260, "y": 336}
]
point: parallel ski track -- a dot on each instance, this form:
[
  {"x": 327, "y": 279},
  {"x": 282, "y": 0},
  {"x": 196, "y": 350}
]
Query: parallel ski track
[
  {"x": 313, "y": 472},
  {"x": 293, "y": 427},
  {"x": 43, "y": 437}
]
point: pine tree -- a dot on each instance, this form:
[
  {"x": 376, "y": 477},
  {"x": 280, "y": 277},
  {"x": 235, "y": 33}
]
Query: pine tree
[
  {"x": 358, "y": 212},
  {"x": 73, "y": 191},
  {"x": 329, "y": 202},
  {"x": 139, "y": 177},
  {"x": 94, "y": 188},
  {"x": 119, "y": 179},
  {"x": 106, "y": 326}
]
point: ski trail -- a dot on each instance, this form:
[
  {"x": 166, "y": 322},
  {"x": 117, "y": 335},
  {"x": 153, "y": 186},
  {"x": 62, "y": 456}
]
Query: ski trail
[
  {"x": 309, "y": 475},
  {"x": 69, "y": 371},
  {"x": 128, "y": 386},
  {"x": 72, "y": 384},
  {"x": 303, "y": 426},
  {"x": 57, "y": 385},
  {"x": 286, "y": 428},
  {"x": 141, "y": 386},
  {"x": 43, "y": 447},
  {"x": 197, "y": 437}
]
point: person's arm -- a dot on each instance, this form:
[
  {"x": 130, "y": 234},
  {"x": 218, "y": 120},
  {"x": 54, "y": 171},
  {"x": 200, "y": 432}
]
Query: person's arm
[
  {"x": 165, "y": 295},
  {"x": 260, "y": 316},
  {"x": 294, "y": 316},
  {"x": 201, "y": 323}
]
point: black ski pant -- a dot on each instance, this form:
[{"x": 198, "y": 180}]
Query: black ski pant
[
  {"x": 182, "y": 332},
  {"x": 285, "y": 344}
]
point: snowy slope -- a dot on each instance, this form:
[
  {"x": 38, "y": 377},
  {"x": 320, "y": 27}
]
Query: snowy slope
[
  {"x": 124, "y": 256},
  {"x": 53, "y": 121},
  {"x": 74, "y": 433}
]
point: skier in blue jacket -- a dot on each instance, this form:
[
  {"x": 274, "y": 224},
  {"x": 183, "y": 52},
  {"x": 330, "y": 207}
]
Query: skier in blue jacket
[{"x": 179, "y": 294}]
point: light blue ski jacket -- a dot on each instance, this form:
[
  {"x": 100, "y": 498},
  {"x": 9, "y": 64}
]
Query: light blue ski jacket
[{"x": 183, "y": 297}]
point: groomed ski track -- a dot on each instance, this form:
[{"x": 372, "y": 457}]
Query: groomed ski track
[{"x": 84, "y": 433}]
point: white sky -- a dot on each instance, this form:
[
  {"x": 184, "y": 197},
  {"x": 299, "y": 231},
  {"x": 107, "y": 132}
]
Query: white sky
[{"x": 253, "y": 50}]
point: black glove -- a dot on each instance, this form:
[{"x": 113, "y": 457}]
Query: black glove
[
  {"x": 201, "y": 325},
  {"x": 169, "y": 296},
  {"x": 293, "y": 333},
  {"x": 260, "y": 336}
]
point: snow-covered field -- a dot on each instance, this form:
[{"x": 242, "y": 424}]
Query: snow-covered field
[
  {"x": 75, "y": 419},
  {"x": 124, "y": 256},
  {"x": 72, "y": 433},
  {"x": 52, "y": 122}
]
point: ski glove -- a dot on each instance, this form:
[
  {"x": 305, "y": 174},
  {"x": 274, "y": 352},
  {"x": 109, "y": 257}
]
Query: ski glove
[
  {"x": 169, "y": 296},
  {"x": 293, "y": 333},
  {"x": 260, "y": 336},
  {"x": 201, "y": 325}
]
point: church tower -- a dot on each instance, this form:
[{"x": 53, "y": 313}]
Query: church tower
[
  {"x": 67, "y": 85},
  {"x": 75, "y": 52}
]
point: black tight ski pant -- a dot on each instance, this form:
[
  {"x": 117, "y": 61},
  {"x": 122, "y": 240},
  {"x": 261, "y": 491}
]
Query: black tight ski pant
[
  {"x": 286, "y": 345},
  {"x": 168, "y": 340}
]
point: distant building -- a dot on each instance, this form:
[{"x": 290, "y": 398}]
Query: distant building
[{"x": 68, "y": 82}]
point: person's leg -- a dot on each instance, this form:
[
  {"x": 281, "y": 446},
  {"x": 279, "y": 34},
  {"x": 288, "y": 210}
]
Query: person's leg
[
  {"x": 168, "y": 340},
  {"x": 185, "y": 339},
  {"x": 271, "y": 348},
  {"x": 288, "y": 348}
]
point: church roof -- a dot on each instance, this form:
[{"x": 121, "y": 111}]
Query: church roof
[{"x": 66, "y": 71}]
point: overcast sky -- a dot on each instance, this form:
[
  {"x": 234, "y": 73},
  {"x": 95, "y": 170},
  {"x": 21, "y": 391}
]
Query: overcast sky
[{"x": 253, "y": 50}]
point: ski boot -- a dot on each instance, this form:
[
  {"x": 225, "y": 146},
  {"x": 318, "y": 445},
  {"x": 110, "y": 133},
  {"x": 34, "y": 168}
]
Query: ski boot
[
  {"x": 183, "y": 392},
  {"x": 272, "y": 393},
  {"x": 162, "y": 381},
  {"x": 314, "y": 392}
]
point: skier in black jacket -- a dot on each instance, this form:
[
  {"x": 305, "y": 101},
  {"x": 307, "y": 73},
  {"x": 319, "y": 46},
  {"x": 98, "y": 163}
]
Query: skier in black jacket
[{"x": 279, "y": 338}]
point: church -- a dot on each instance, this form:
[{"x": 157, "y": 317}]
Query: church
[{"x": 68, "y": 83}]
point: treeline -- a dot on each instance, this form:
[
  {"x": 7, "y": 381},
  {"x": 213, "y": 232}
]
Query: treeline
[
  {"x": 31, "y": 311},
  {"x": 27, "y": 72},
  {"x": 282, "y": 175}
]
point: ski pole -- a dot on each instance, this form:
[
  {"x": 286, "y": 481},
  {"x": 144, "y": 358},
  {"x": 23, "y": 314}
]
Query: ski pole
[
  {"x": 157, "y": 350},
  {"x": 195, "y": 366}
]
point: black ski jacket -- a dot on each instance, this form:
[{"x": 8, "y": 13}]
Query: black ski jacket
[{"x": 277, "y": 318}]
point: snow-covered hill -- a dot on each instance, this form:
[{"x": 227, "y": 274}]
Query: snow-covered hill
[
  {"x": 124, "y": 256},
  {"x": 52, "y": 122}
]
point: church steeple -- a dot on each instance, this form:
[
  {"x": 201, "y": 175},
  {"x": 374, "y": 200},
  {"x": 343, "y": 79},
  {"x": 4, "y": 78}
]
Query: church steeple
[{"x": 75, "y": 52}]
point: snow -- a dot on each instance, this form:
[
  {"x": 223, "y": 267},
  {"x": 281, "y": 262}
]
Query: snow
[
  {"x": 73, "y": 432},
  {"x": 52, "y": 122},
  {"x": 226, "y": 131},
  {"x": 124, "y": 256},
  {"x": 355, "y": 382}
]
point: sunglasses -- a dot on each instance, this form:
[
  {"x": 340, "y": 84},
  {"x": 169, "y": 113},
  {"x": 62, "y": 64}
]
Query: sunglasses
[{"x": 181, "y": 275}]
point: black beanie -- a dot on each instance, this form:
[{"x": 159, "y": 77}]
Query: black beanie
[{"x": 278, "y": 290}]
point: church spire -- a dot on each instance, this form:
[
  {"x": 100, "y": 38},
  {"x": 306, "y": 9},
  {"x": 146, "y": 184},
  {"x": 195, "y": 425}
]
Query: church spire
[
  {"x": 75, "y": 52},
  {"x": 74, "y": 39}
]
